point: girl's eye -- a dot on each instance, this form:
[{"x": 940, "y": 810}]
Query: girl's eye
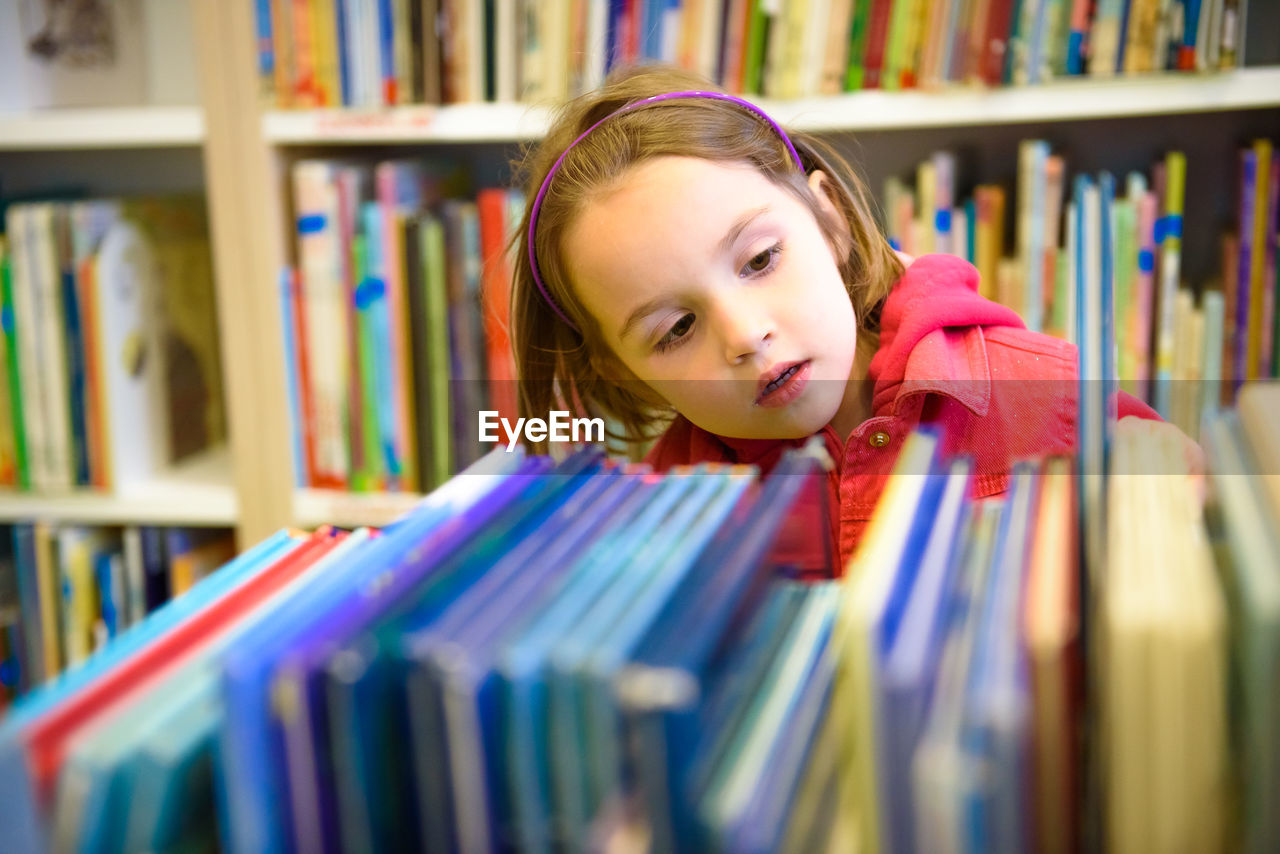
[
  {"x": 762, "y": 262},
  {"x": 676, "y": 334}
]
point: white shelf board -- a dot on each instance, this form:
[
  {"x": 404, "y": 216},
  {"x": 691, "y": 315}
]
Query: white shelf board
[
  {"x": 105, "y": 127},
  {"x": 1064, "y": 100},
  {"x": 315, "y": 507},
  {"x": 197, "y": 491}
]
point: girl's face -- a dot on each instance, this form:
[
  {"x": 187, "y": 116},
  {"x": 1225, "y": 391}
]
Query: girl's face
[{"x": 719, "y": 291}]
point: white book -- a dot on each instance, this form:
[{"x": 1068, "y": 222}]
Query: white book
[
  {"x": 45, "y": 226},
  {"x": 597, "y": 47},
  {"x": 324, "y": 315},
  {"x": 506, "y": 59},
  {"x": 135, "y": 424},
  {"x": 135, "y": 582}
]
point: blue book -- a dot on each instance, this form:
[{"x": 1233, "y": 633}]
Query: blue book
[
  {"x": 909, "y": 665},
  {"x": 996, "y": 724},
  {"x": 19, "y": 812},
  {"x": 24, "y": 556},
  {"x": 455, "y": 660},
  {"x": 365, "y": 701},
  {"x": 301, "y": 673},
  {"x": 523, "y": 662},
  {"x": 586, "y": 725},
  {"x": 255, "y": 815}
]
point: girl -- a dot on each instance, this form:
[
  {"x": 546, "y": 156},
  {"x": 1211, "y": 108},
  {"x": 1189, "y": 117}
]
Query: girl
[{"x": 690, "y": 269}]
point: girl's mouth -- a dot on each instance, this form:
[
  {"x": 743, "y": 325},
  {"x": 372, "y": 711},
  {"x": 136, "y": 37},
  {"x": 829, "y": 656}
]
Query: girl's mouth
[{"x": 782, "y": 384}]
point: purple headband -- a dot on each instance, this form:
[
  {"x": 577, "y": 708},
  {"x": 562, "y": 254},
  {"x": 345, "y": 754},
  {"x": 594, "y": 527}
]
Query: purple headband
[{"x": 643, "y": 102}]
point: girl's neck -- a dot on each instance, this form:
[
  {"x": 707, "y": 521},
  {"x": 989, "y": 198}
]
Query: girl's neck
[{"x": 856, "y": 405}]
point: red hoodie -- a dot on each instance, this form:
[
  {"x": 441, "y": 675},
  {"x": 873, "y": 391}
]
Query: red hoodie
[{"x": 947, "y": 356}]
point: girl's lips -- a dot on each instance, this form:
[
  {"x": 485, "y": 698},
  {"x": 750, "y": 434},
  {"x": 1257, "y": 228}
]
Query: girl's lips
[{"x": 776, "y": 393}]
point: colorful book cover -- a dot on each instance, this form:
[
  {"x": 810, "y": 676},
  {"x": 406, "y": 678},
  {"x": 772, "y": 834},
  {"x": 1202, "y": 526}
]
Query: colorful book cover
[
  {"x": 325, "y": 332},
  {"x": 369, "y": 312},
  {"x": 10, "y": 422}
]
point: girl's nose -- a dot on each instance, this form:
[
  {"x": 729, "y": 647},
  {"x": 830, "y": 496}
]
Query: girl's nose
[{"x": 746, "y": 332}]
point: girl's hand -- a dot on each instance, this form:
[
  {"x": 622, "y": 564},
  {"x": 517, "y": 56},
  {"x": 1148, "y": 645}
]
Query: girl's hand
[{"x": 1173, "y": 441}]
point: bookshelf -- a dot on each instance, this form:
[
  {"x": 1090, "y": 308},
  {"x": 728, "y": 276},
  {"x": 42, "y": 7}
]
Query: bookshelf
[
  {"x": 1061, "y": 101},
  {"x": 196, "y": 492},
  {"x": 250, "y": 149},
  {"x": 148, "y": 148},
  {"x": 103, "y": 128}
]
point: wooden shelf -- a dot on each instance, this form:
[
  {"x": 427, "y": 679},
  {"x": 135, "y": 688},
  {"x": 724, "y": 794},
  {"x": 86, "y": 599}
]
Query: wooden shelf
[
  {"x": 314, "y": 507},
  {"x": 1065, "y": 100},
  {"x": 108, "y": 127},
  {"x": 195, "y": 492}
]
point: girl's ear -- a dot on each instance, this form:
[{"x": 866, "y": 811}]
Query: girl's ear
[{"x": 822, "y": 190}]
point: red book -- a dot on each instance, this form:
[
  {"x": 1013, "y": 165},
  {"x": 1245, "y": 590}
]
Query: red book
[
  {"x": 94, "y": 405},
  {"x": 306, "y": 402},
  {"x": 877, "y": 35},
  {"x": 996, "y": 46},
  {"x": 491, "y": 205},
  {"x": 47, "y": 738}
]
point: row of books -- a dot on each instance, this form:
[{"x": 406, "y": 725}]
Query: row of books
[
  {"x": 369, "y": 53},
  {"x": 564, "y": 655},
  {"x": 67, "y": 590},
  {"x": 109, "y": 360},
  {"x": 396, "y": 323},
  {"x": 1176, "y": 350}
]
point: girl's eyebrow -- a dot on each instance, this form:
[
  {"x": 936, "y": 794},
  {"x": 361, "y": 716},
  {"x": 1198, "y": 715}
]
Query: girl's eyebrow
[{"x": 726, "y": 243}]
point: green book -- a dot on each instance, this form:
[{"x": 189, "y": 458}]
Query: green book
[
  {"x": 12, "y": 376},
  {"x": 1126, "y": 271},
  {"x": 896, "y": 44},
  {"x": 365, "y": 476},
  {"x": 436, "y": 301},
  {"x": 858, "y": 46},
  {"x": 757, "y": 40}
]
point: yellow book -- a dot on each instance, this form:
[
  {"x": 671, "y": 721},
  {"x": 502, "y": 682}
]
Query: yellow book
[
  {"x": 867, "y": 583},
  {"x": 50, "y": 591},
  {"x": 324, "y": 53},
  {"x": 927, "y": 189}
]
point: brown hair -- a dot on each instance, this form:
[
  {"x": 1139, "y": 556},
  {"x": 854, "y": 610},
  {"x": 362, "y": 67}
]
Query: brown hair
[{"x": 561, "y": 368}]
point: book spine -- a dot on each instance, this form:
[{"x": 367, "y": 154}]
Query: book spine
[
  {"x": 491, "y": 207},
  {"x": 319, "y": 254},
  {"x": 54, "y": 373},
  {"x": 292, "y": 377},
  {"x": 1077, "y": 37},
  {"x": 324, "y": 38},
  {"x": 304, "y": 80},
  {"x": 855, "y": 67},
  {"x": 1258, "y": 258},
  {"x": 73, "y": 329},
  {"x": 370, "y": 299},
  {"x": 835, "y": 50},
  {"x": 1267, "y": 356},
  {"x": 436, "y": 307},
  {"x": 12, "y": 401},
  {"x": 282, "y": 47},
  {"x": 348, "y": 185},
  {"x": 266, "y": 50},
  {"x": 33, "y": 629},
  {"x": 1170, "y": 243}
]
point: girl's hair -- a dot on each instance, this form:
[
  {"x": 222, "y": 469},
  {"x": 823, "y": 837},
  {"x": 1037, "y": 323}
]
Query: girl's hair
[{"x": 563, "y": 368}]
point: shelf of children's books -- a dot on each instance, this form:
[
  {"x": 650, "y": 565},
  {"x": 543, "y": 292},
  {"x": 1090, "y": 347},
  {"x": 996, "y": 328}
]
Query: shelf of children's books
[
  {"x": 106, "y": 127},
  {"x": 315, "y": 507},
  {"x": 196, "y": 491},
  {"x": 1063, "y": 100}
]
